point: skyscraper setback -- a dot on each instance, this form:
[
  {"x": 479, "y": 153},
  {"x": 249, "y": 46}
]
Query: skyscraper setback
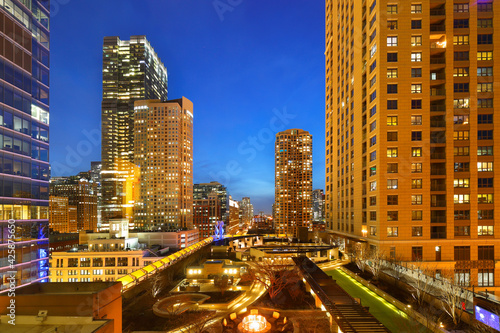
[
  {"x": 293, "y": 184},
  {"x": 131, "y": 71},
  {"x": 410, "y": 132},
  {"x": 163, "y": 151},
  {"x": 24, "y": 189}
]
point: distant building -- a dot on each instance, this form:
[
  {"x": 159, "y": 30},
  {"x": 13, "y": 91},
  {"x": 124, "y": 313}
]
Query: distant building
[
  {"x": 95, "y": 176},
  {"x": 63, "y": 241},
  {"x": 131, "y": 70},
  {"x": 62, "y": 216},
  {"x": 206, "y": 213},
  {"x": 318, "y": 199},
  {"x": 163, "y": 151},
  {"x": 202, "y": 190},
  {"x": 293, "y": 186},
  {"x": 246, "y": 212},
  {"x": 81, "y": 193},
  {"x": 262, "y": 221},
  {"x": 233, "y": 225}
]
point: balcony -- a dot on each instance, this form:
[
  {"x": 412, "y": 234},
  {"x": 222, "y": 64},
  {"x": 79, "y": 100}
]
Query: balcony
[
  {"x": 438, "y": 28},
  {"x": 438, "y": 184},
  {"x": 438, "y": 108},
  {"x": 440, "y": 60},
  {"x": 438, "y": 92},
  {"x": 438, "y": 235},
  {"x": 438, "y": 12},
  {"x": 438, "y": 156}
]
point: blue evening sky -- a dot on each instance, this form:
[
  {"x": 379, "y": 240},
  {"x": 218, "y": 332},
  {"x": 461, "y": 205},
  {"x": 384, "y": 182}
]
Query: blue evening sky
[{"x": 250, "y": 67}]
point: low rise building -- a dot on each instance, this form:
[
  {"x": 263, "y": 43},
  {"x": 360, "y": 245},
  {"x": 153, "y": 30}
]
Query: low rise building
[{"x": 212, "y": 268}]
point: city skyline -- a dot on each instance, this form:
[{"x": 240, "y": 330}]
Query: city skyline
[{"x": 293, "y": 84}]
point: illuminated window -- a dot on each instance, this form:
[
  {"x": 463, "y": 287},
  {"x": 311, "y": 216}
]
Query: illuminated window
[
  {"x": 392, "y": 231},
  {"x": 416, "y": 40},
  {"x": 461, "y": 198},
  {"x": 416, "y": 56},
  {"x": 392, "y": 120},
  {"x": 416, "y": 199},
  {"x": 392, "y": 73},
  {"x": 392, "y": 152}
]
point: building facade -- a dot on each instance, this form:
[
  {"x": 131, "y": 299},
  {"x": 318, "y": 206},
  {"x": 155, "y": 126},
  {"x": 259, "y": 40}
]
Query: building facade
[
  {"x": 82, "y": 194},
  {"x": 24, "y": 144},
  {"x": 233, "y": 223},
  {"x": 203, "y": 190},
  {"x": 246, "y": 212},
  {"x": 410, "y": 132},
  {"x": 318, "y": 199},
  {"x": 163, "y": 151},
  {"x": 62, "y": 216},
  {"x": 131, "y": 71},
  {"x": 206, "y": 213},
  {"x": 293, "y": 181},
  {"x": 95, "y": 176}
]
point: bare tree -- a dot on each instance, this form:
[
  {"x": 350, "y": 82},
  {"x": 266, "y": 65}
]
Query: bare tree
[
  {"x": 222, "y": 283},
  {"x": 360, "y": 256},
  {"x": 157, "y": 284},
  {"x": 420, "y": 284},
  {"x": 452, "y": 296},
  {"x": 376, "y": 263},
  {"x": 274, "y": 275},
  {"x": 396, "y": 268}
]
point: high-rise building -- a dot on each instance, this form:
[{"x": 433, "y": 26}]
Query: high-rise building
[
  {"x": 206, "y": 213},
  {"x": 246, "y": 212},
  {"x": 62, "y": 216},
  {"x": 318, "y": 199},
  {"x": 95, "y": 176},
  {"x": 203, "y": 190},
  {"x": 24, "y": 144},
  {"x": 233, "y": 222},
  {"x": 293, "y": 184},
  {"x": 410, "y": 132},
  {"x": 81, "y": 193},
  {"x": 163, "y": 149},
  {"x": 131, "y": 71}
]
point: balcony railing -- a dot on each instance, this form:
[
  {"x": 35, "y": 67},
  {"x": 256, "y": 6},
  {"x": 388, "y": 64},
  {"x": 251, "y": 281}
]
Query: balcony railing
[
  {"x": 438, "y": 27},
  {"x": 438, "y": 156},
  {"x": 438, "y": 107},
  {"x": 438, "y": 12},
  {"x": 438, "y": 60},
  {"x": 438, "y": 235},
  {"x": 438, "y": 92}
]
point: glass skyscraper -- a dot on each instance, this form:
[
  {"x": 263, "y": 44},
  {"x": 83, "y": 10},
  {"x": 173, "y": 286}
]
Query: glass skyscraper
[
  {"x": 131, "y": 71},
  {"x": 24, "y": 141}
]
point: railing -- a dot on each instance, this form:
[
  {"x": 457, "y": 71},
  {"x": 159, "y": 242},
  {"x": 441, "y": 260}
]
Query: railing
[
  {"x": 438, "y": 92},
  {"x": 438, "y": 12},
  {"x": 438, "y": 124},
  {"x": 438, "y": 107},
  {"x": 438, "y": 235},
  {"x": 438, "y": 60},
  {"x": 438, "y": 27}
]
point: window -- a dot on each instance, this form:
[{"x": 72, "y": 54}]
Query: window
[
  {"x": 416, "y": 253},
  {"x": 462, "y": 277},
  {"x": 461, "y": 56},
  {"x": 485, "y": 198},
  {"x": 392, "y": 120},
  {"x": 392, "y": 215},
  {"x": 416, "y": 56},
  {"x": 392, "y": 231},
  {"x": 392, "y": 168},
  {"x": 373, "y": 81},
  {"x": 392, "y": 9},
  {"x": 416, "y": 120},
  {"x": 392, "y": 200},
  {"x": 373, "y": 66},
  {"x": 485, "y": 182},
  {"x": 373, "y": 186},
  {"x": 416, "y": 72},
  {"x": 392, "y": 88},
  {"x": 392, "y": 24},
  {"x": 461, "y": 182},
  {"x": 416, "y": 40},
  {"x": 373, "y": 50},
  {"x": 485, "y": 23},
  {"x": 485, "y": 214},
  {"x": 461, "y": 119},
  {"x": 461, "y": 151},
  {"x": 461, "y": 7},
  {"x": 373, "y": 126},
  {"x": 373, "y": 201},
  {"x": 461, "y": 198},
  {"x": 485, "y": 118},
  {"x": 485, "y": 135},
  {"x": 373, "y": 35},
  {"x": 392, "y": 57},
  {"x": 416, "y": 88},
  {"x": 462, "y": 214},
  {"x": 485, "y": 230},
  {"x": 484, "y": 55},
  {"x": 461, "y": 24},
  {"x": 373, "y": 95},
  {"x": 485, "y": 151},
  {"x": 462, "y": 230},
  {"x": 416, "y": 231},
  {"x": 416, "y": 167},
  {"x": 373, "y": 172},
  {"x": 461, "y": 71},
  {"x": 460, "y": 87},
  {"x": 392, "y": 184},
  {"x": 416, "y": 183},
  {"x": 485, "y": 87},
  {"x": 484, "y": 166},
  {"x": 392, "y": 104},
  {"x": 416, "y": 24},
  {"x": 461, "y": 167},
  {"x": 373, "y": 111},
  {"x": 392, "y": 40},
  {"x": 485, "y": 278},
  {"x": 416, "y": 152},
  {"x": 461, "y": 40},
  {"x": 486, "y": 252},
  {"x": 485, "y": 71},
  {"x": 373, "y": 231},
  {"x": 483, "y": 103},
  {"x": 373, "y": 156},
  {"x": 392, "y": 152},
  {"x": 462, "y": 253},
  {"x": 416, "y": 215},
  {"x": 485, "y": 39},
  {"x": 416, "y": 9},
  {"x": 416, "y": 104},
  {"x": 392, "y": 73},
  {"x": 416, "y": 199},
  {"x": 461, "y": 135},
  {"x": 392, "y": 136},
  {"x": 373, "y": 140},
  {"x": 485, "y": 7},
  {"x": 416, "y": 136},
  {"x": 373, "y": 216}
]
